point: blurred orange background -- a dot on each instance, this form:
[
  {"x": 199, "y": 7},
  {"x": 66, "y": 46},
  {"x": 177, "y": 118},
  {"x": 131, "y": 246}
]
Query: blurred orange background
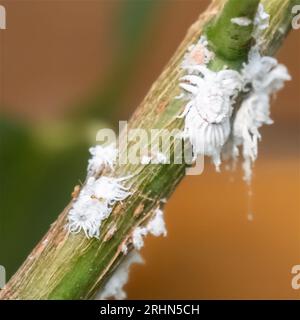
[{"x": 54, "y": 54}]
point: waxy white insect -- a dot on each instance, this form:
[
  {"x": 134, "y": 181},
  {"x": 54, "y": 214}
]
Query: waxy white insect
[
  {"x": 102, "y": 156},
  {"x": 207, "y": 113},
  {"x": 263, "y": 77},
  {"x": 94, "y": 204},
  {"x": 114, "y": 286}
]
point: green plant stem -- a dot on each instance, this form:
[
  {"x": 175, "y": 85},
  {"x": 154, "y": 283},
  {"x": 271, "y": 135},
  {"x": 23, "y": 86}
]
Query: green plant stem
[
  {"x": 231, "y": 41},
  {"x": 68, "y": 266}
]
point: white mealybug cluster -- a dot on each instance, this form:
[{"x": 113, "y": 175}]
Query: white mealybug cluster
[
  {"x": 110, "y": 189},
  {"x": 160, "y": 158},
  {"x": 157, "y": 158},
  {"x": 263, "y": 77},
  {"x": 211, "y": 126},
  {"x": 114, "y": 286},
  {"x": 208, "y": 112},
  {"x": 94, "y": 204},
  {"x": 261, "y": 22},
  {"x": 137, "y": 237},
  {"x": 241, "y": 21},
  {"x": 156, "y": 226},
  {"x": 124, "y": 249},
  {"x": 145, "y": 160},
  {"x": 198, "y": 54},
  {"x": 102, "y": 156}
]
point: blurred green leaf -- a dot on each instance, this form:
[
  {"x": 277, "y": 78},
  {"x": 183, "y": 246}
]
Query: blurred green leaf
[{"x": 35, "y": 187}]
